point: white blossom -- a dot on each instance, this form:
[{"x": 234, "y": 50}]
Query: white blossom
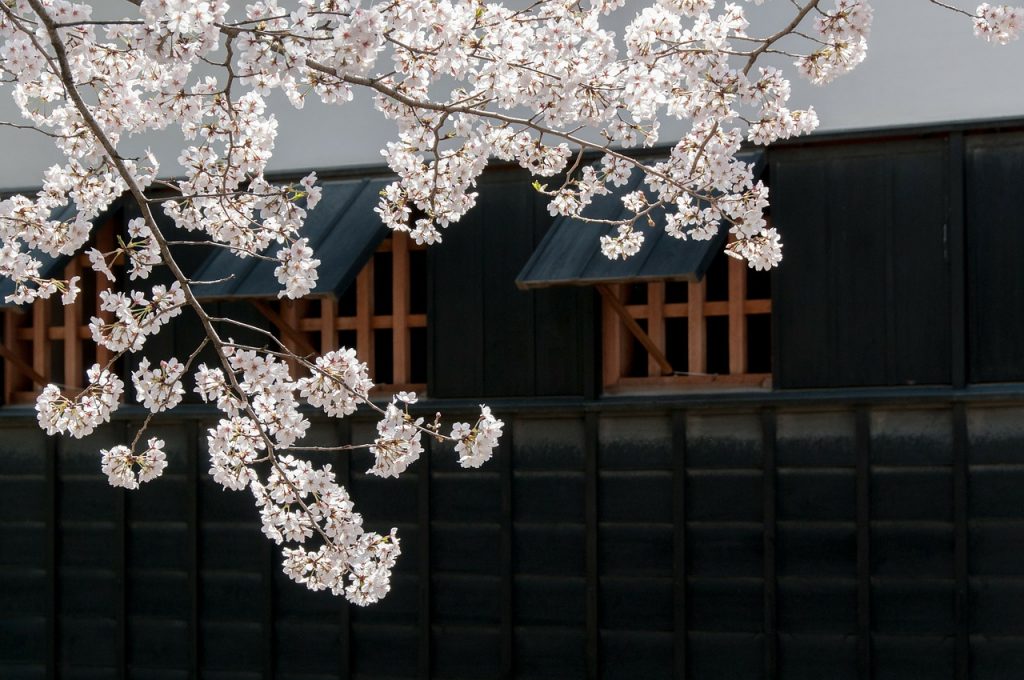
[
  {"x": 462, "y": 82},
  {"x": 998, "y": 23},
  {"x": 159, "y": 389},
  {"x": 119, "y": 464},
  {"x": 79, "y": 415},
  {"x": 475, "y": 445},
  {"x": 398, "y": 442}
]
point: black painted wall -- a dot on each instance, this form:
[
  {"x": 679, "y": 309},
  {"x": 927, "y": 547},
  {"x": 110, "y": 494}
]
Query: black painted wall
[
  {"x": 863, "y": 292},
  {"x": 793, "y": 534},
  {"x": 487, "y": 337},
  {"x": 900, "y": 260},
  {"x": 796, "y": 539}
]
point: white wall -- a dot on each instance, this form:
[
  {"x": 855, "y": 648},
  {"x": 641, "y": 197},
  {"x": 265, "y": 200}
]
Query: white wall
[{"x": 924, "y": 65}]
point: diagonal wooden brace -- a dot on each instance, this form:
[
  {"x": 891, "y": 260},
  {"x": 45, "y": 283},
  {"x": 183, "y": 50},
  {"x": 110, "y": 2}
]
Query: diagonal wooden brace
[
  {"x": 634, "y": 328},
  {"x": 290, "y": 332}
]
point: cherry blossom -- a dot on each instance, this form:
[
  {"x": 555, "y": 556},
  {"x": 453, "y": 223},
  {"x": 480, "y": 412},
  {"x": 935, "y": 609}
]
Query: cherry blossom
[
  {"x": 159, "y": 389},
  {"x": 476, "y": 444},
  {"x": 119, "y": 464},
  {"x": 998, "y": 23},
  {"x": 547, "y": 86}
]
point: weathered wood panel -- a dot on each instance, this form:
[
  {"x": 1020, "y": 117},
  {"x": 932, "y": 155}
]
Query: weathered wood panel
[
  {"x": 863, "y": 294},
  {"x": 833, "y": 541},
  {"x": 487, "y": 337},
  {"x": 995, "y": 233}
]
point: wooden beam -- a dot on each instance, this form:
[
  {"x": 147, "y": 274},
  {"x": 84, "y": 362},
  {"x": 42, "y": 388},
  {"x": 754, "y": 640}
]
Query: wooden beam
[
  {"x": 718, "y": 308},
  {"x": 611, "y": 341},
  {"x": 634, "y": 328},
  {"x": 364, "y": 315},
  {"x": 11, "y": 318},
  {"x": 720, "y": 379},
  {"x": 41, "y": 361},
  {"x": 19, "y": 364},
  {"x": 696, "y": 327},
  {"x": 105, "y": 244},
  {"x": 292, "y": 335},
  {"x": 73, "y": 371},
  {"x": 656, "y": 323},
  {"x": 674, "y": 310},
  {"x": 737, "y": 316},
  {"x": 328, "y": 324},
  {"x": 401, "y": 356}
]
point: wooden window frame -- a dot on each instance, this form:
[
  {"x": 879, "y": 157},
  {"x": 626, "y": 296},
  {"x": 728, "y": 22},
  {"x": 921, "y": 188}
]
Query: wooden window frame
[
  {"x": 620, "y": 321},
  {"x": 307, "y": 330},
  {"x": 29, "y": 333}
]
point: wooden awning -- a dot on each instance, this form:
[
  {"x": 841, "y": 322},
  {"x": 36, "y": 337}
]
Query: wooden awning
[
  {"x": 53, "y": 267},
  {"x": 343, "y": 230},
  {"x": 570, "y": 253}
]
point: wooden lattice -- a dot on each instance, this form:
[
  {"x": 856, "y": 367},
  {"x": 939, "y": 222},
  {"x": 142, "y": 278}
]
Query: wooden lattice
[
  {"x": 50, "y": 342},
  {"x": 319, "y": 325},
  {"x": 622, "y": 323}
]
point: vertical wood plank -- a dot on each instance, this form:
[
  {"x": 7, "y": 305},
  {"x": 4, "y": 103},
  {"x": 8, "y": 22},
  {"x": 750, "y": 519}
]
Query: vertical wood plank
[
  {"x": 656, "y": 323},
  {"x": 40, "y": 338},
  {"x": 105, "y": 244},
  {"x": 343, "y": 430},
  {"x": 121, "y": 570},
  {"x": 961, "y": 567},
  {"x": 73, "y": 371},
  {"x": 611, "y": 340},
  {"x": 328, "y": 324},
  {"x": 514, "y": 364},
  {"x": 423, "y": 557},
  {"x": 456, "y": 345},
  {"x": 52, "y": 546},
  {"x": 956, "y": 226},
  {"x": 863, "y": 472},
  {"x": 679, "y": 589},
  {"x": 193, "y": 542},
  {"x": 771, "y": 642},
  {"x": 506, "y": 452},
  {"x": 290, "y": 315},
  {"x": 801, "y": 290},
  {"x": 400, "y": 308},
  {"x": 364, "y": 315},
  {"x": 696, "y": 328},
  {"x": 11, "y": 318},
  {"x": 737, "y": 317},
  {"x": 592, "y": 613}
]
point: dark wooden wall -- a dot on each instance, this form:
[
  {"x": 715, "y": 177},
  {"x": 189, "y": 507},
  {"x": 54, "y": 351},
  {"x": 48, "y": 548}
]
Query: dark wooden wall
[
  {"x": 804, "y": 537},
  {"x": 863, "y": 292},
  {"x": 488, "y": 338},
  {"x": 899, "y": 265},
  {"x": 792, "y": 534}
]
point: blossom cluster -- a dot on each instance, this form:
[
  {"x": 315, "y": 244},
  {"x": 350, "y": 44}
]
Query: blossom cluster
[
  {"x": 398, "y": 443},
  {"x": 80, "y": 414},
  {"x": 135, "y": 317},
  {"x": 463, "y": 82},
  {"x": 159, "y": 389},
  {"x": 119, "y": 464},
  {"x": 300, "y": 501},
  {"x": 476, "y": 444},
  {"x": 998, "y": 23}
]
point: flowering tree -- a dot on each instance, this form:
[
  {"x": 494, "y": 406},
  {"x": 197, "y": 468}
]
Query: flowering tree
[{"x": 464, "y": 81}]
